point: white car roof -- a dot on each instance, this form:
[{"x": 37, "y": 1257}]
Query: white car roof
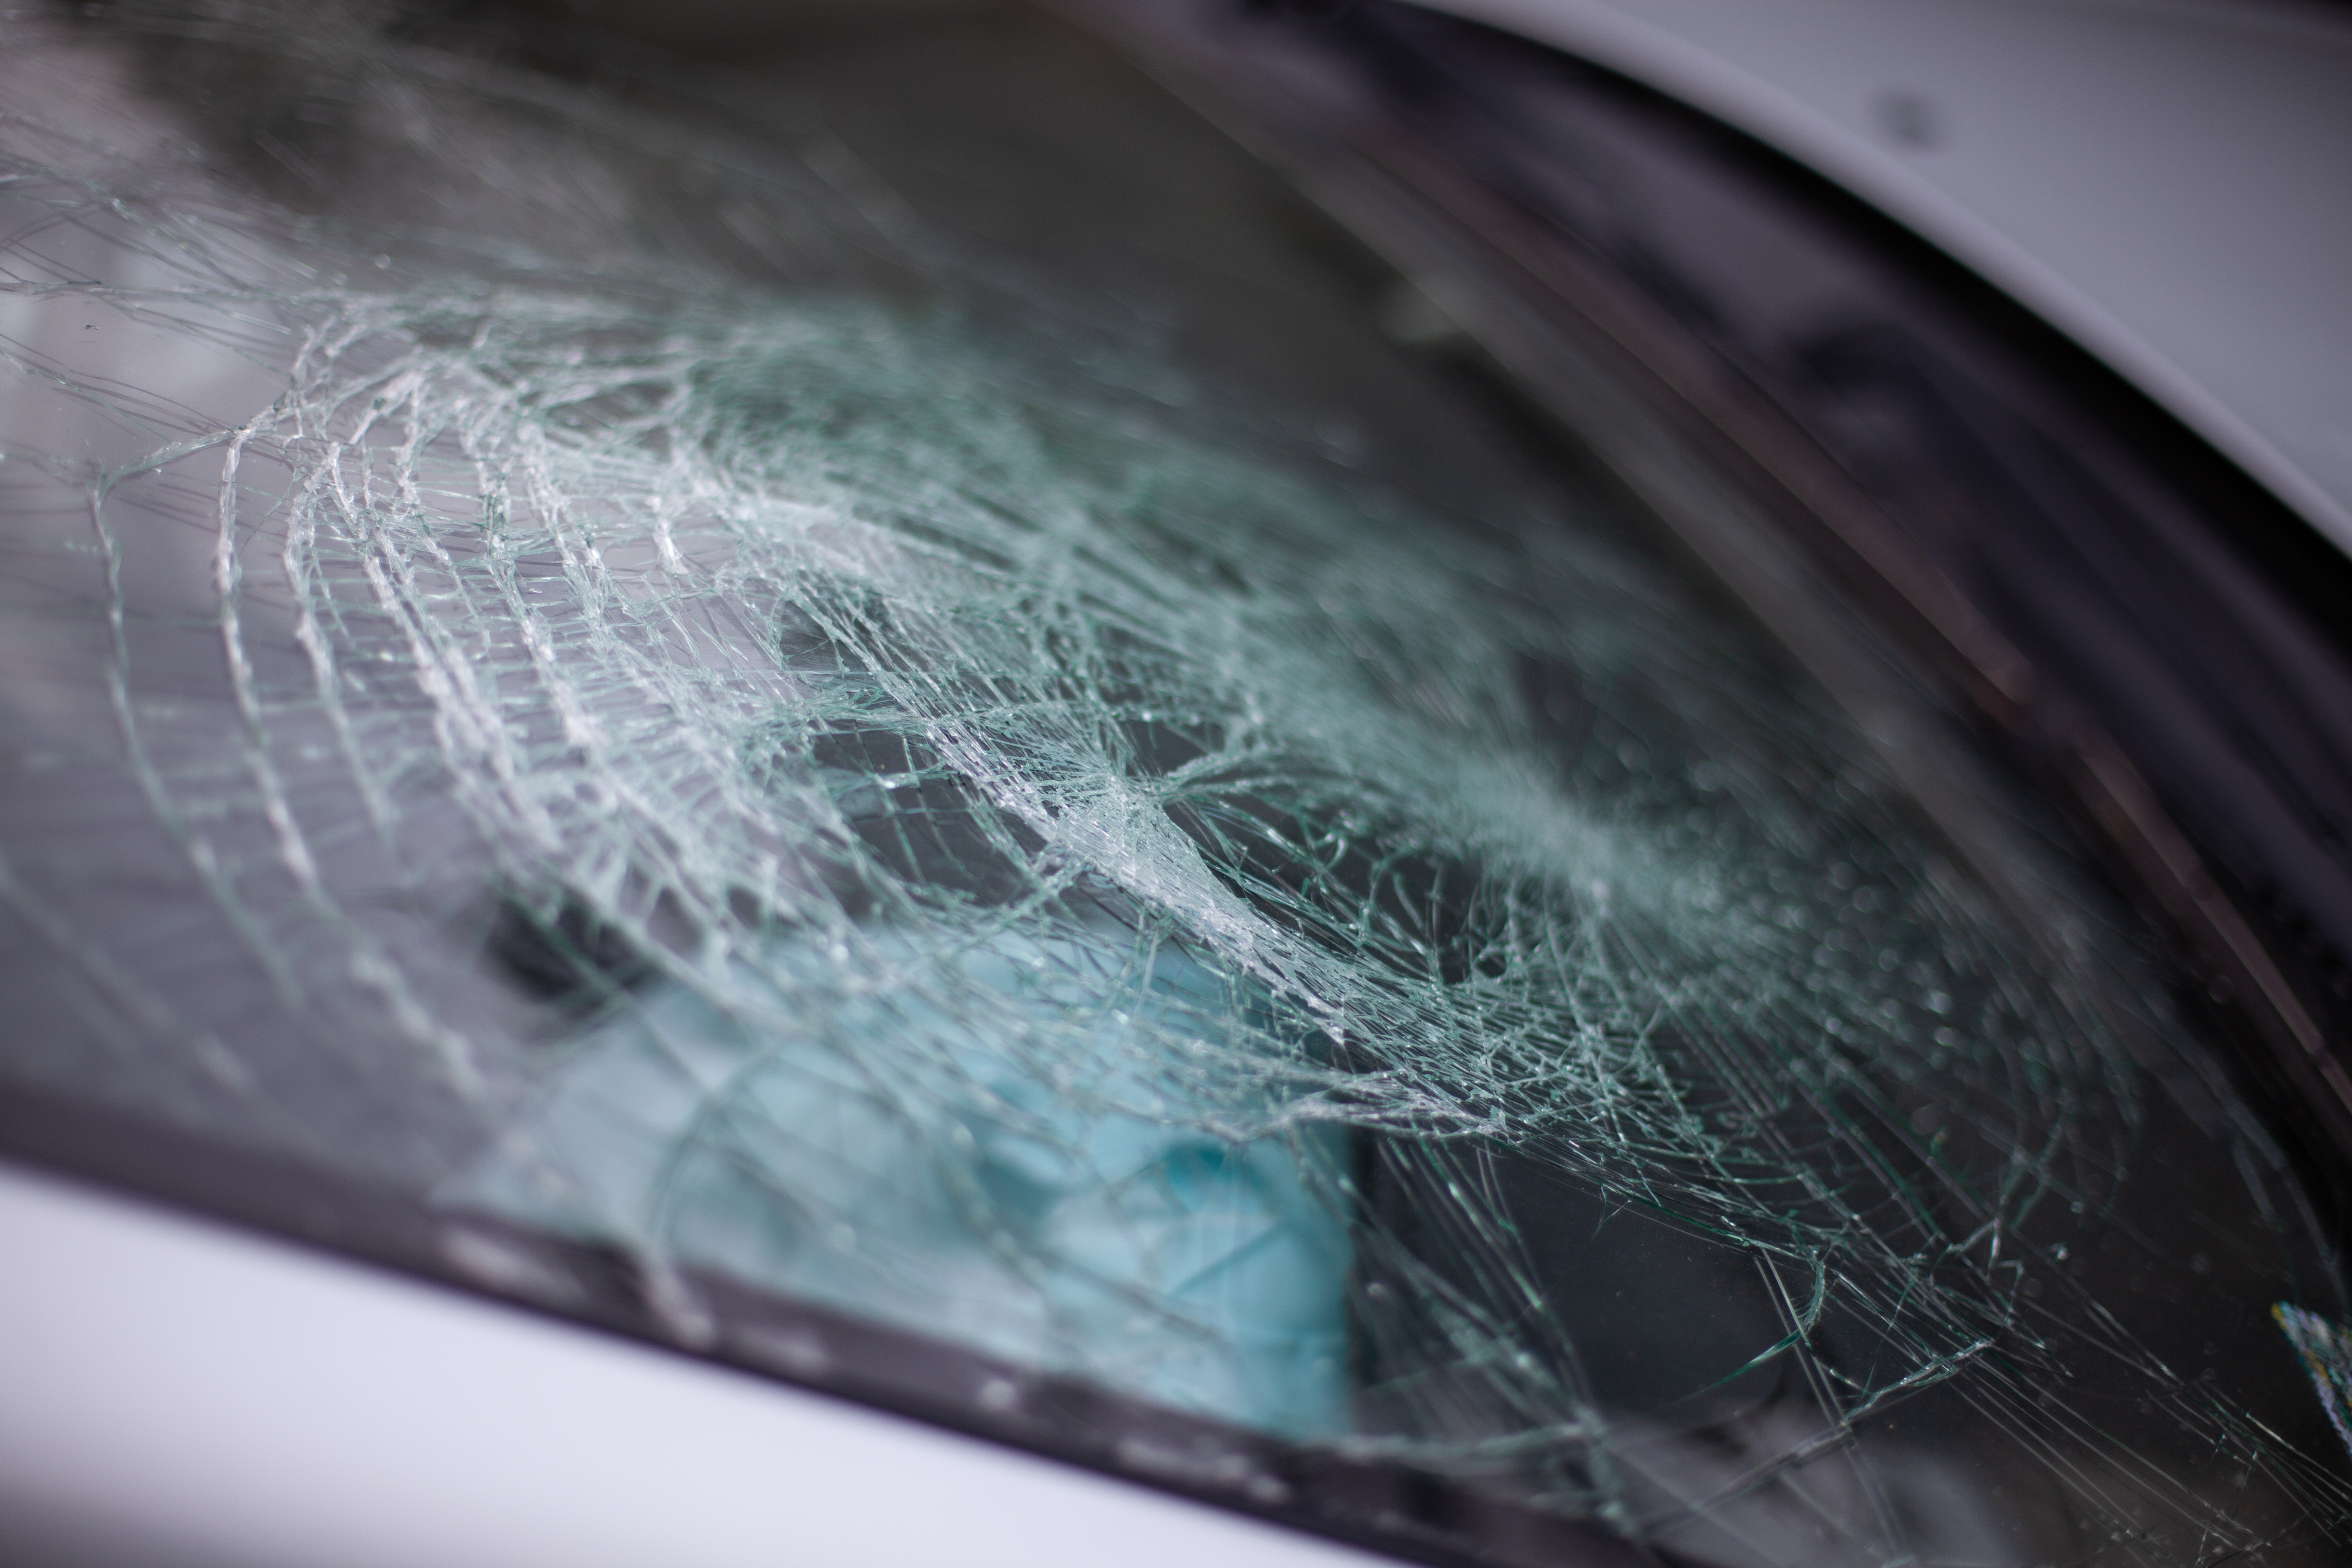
[{"x": 2168, "y": 182}]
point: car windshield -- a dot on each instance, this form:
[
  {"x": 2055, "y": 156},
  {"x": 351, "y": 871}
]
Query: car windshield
[{"x": 894, "y": 681}]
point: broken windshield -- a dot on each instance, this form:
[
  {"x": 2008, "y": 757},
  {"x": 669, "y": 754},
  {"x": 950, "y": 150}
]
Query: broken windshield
[{"x": 906, "y": 704}]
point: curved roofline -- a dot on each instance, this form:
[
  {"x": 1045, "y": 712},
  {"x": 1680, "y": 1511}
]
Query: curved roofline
[{"x": 1806, "y": 77}]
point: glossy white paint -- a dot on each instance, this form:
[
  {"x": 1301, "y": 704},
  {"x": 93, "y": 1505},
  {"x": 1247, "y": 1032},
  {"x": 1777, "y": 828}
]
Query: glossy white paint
[
  {"x": 174, "y": 1391},
  {"x": 2167, "y": 181}
]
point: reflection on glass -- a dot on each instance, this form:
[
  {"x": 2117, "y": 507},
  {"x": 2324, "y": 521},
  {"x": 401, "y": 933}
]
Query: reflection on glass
[{"x": 868, "y": 712}]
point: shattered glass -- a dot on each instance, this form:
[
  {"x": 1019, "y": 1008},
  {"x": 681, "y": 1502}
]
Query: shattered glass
[{"x": 806, "y": 706}]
